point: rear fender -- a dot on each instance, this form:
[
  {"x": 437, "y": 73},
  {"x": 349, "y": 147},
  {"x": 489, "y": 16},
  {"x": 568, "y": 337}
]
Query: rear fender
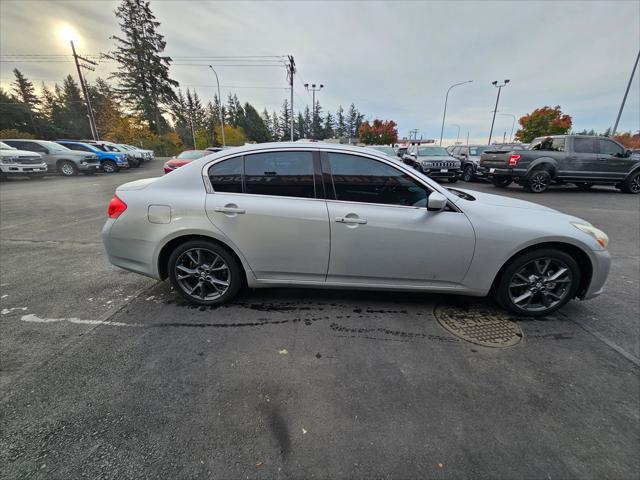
[{"x": 546, "y": 162}]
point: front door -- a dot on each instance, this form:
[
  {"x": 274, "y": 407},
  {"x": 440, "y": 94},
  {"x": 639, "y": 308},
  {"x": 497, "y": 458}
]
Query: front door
[
  {"x": 582, "y": 162},
  {"x": 266, "y": 204},
  {"x": 382, "y": 233},
  {"x": 613, "y": 159}
]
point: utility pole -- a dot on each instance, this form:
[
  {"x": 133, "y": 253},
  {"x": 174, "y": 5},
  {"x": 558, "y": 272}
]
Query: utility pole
[
  {"x": 495, "y": 110},
  {"x": 446, "y": 99},
  {"x": 513, "y": 123},
  {"x": 85, "y": 91},
  {"x": 313, "y": 109},
  {"x": 624, "y": 99},
  {"x": 220, "y": 109},
  {"x": 291, "y": 70}
]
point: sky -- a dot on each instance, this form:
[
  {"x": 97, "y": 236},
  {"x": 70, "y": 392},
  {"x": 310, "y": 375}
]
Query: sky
[{"x": 394, "y": 60}]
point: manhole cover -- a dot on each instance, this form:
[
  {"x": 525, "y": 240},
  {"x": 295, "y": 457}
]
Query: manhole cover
[{"x": 480, "y": 325}]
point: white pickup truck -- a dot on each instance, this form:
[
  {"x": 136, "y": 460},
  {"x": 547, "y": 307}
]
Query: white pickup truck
[{"x": 20, "y": 162}]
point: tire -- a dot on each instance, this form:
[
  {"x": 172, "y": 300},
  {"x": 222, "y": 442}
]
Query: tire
[
  {"x": 584, "y": 186},
  {"x": 109, "y": 166},
  {"x": 135, "y": 163},
  {"x": 632, "y": 183},
  {"x": 67, "y": 168},
  {"x": 189, "y": 275},
  {"x": 467, "y": 173},
  {"x": 452, "y": 179},
  {"x": 526, "y": 274},
  {"x": 538, "y": 181},
  {"x": 501, "y": 182}
]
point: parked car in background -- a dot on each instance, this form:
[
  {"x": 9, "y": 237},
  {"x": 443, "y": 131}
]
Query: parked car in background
[
  {"x": 433, "y": 161},
  {"x": 183, "y": 158},
  {"x": 144, "y": 155},
  {"x": 401, "y": 150},
  {"x": 381, "y": 226},
  {"x": 469, "y": 156},
  {"x": 20, "y": 162},
  {"x": 58, "y": 157},
  {"x": 111, "y": 161},
  {"x": 579, "y": 159},
  {"x": 105, "y": 146},
  {"x": 386, "y": 149},
  {"x": 214, "y": 149}
]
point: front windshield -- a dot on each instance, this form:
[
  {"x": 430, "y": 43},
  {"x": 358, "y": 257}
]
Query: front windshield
[
  {"x": 383, "y": 149},
  {"x": 193, "y": 154},
  {"x": 432, "y": 152},
  {"x": 4, "y": 146}
]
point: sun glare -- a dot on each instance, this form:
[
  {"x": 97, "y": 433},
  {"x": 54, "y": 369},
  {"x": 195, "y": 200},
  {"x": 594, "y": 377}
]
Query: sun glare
[{"x": 68, "y": 33}]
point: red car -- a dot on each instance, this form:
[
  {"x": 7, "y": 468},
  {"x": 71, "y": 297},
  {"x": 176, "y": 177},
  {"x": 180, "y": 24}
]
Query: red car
[{"x": 183, "y": 158}]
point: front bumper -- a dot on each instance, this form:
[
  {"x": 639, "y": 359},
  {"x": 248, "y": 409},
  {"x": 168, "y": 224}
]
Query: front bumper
[
  {"x": 440, "y": 172},
  {"x": 601, "y": 265},
  {"x": 89, "y": 167},
  {"x": 22, "y": 169}
]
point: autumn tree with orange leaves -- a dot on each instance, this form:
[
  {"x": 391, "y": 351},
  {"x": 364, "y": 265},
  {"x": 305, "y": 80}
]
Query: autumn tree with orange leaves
[
  {"x": 543, "y": 121},
  {"x": 379, "y": 132}
]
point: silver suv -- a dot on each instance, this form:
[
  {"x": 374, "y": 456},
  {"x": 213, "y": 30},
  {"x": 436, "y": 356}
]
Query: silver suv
[{"x": 58, "y": 158}]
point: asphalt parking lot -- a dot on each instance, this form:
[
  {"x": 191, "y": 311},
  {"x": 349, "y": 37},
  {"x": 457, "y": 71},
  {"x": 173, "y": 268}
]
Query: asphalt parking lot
[{"x": 106, "y": 374}]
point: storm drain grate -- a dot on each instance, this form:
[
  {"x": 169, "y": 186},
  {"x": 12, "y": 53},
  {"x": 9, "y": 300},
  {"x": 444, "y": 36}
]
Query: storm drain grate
[{"x": 480, "y": 325}]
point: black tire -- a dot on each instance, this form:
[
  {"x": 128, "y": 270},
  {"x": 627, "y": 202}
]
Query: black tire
[
  {"x": 501, "y": 181},
  {"x": 109, "y": 166},
  {"x": 631, "y": 183},
  {"x": 68, "y": 168},
  {"x": 233, "y": 275},
  {"x": 135, "y": 163},
  {"x": 537, "y": 181},
  {"x": 504, "y": 293},
  {"x": 452, "y": 179},
  {"x": 584, "y": 186},
  {"x": 467, "y": 173}
]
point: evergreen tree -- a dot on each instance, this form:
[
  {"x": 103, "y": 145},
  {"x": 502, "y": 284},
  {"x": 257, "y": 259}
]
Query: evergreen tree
[
  {"x": 24, "y": 91},
  {"x": 307, "y": 122},
  {"x": 266, "y": 118},
  {"x": 340, "y": 128},
  {"x": 316, "y": 125},
  {"x": 299, "y": 131},
  {"x": 73, "y": 119},
  {"x": 285, "y": 121},
  {"x": 327, "y": 129},
  {"x": 275, "y": 127},
  {"x": 13, "y": 114},
  {"x": 352, "y": 122},
  {"x": 143, "y": 72},
  {"x": 253, "y": 126}
]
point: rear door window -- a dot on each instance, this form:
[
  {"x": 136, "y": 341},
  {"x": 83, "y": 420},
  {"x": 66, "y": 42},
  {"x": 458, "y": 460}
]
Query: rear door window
[
  {"x": 584, "y": 145},
  {"x": 226, "y": 176},
  {"x": 288, "y": 174}
]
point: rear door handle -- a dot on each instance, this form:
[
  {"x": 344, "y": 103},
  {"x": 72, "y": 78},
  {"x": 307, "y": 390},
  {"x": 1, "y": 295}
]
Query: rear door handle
[
  {"x": 229, "y": 210},
  {"x": 351, "y": 220}
]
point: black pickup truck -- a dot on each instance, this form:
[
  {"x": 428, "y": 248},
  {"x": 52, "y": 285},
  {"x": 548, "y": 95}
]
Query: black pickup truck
[{"x": 579, "y": 159}]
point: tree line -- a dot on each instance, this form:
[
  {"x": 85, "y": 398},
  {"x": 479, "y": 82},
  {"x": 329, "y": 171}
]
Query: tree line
[{"x": 140, "y": 103}]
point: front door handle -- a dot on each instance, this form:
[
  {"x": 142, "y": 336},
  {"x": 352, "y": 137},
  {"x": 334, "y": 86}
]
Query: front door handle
[
  {"x": 229, "y": 210},
  {"x": 351, "y": 220}
]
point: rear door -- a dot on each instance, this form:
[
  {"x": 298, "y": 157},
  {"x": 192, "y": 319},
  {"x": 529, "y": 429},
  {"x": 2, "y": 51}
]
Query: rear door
[
  {"x": 381, "y": 231},
  {"x": 271, "y": 207}
]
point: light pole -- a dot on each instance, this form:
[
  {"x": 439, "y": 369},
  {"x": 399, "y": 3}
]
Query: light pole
[
  {"x": 446, "y": 99},
  {"x": 313, "y": 107},
  {"x": 624, "y": 99},
  {"x": 513, "y": 123},
  {"x": 499, "y": 87},
  {"x": 458, "y": 135},
  {"x": 220, "y": 109}
]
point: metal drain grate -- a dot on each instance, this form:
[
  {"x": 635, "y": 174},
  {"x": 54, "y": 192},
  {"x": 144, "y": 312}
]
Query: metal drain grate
[{"x": 480, "y": 325}]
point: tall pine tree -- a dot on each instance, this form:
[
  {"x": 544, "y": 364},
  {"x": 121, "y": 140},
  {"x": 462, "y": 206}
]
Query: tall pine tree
[
  {"x": 143, "y": 72},
  {"x": 341, "y": 128},
  {"x": 285, "y": 121},
  {"x": 24, "y": 91}
]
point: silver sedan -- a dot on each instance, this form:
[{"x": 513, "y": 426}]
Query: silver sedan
[{"x": 330, "y": 216}]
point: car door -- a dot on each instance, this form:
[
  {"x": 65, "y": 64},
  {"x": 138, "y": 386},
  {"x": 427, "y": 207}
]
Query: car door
[
  {"x": 612, "y": 159},
  {"x": 270, "y": 207},
  {"x": 582, "y": 162},
  {"x": 381, "y": 231}
]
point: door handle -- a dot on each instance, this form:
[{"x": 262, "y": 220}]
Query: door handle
[
  {"x": 229, "y": 210},
  {"x": 350, "y": 220}
]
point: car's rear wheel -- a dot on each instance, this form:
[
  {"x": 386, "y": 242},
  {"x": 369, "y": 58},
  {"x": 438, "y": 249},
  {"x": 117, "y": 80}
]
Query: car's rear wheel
[
  {"x": 538, "y": 283},
  {"x": 501, "y": 181},
  {"x": 538, "y": 181},
  {"x": 632, "y": 184},
  {"x": 205, "y": 273},
  {"x": 467, "y": 173},
  {"x": 68, "y": 169},
  {"x": 109, "y": 166}
]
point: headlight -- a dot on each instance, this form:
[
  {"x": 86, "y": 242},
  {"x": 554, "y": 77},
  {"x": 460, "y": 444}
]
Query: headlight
[
  {"x": 600, "y": 237},
  {"x": 10, "y": 159}
]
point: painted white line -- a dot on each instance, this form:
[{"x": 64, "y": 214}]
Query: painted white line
[{"x": 31, "y": 318}]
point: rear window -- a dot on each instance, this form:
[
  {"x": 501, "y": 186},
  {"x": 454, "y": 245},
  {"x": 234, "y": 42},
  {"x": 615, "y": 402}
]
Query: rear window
[
  {"x": 288, "y": 174},
  {"x": 549, "y": 144}
]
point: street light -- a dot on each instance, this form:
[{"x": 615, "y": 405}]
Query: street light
[
  {"x": 513, "y": 124},
  {"x": 499, "y": 87},
  {"x": 446, "y": 99},
  {"x": 220, "y": 109},
  {"x": 458, "y": 135},
  {"x": 313, "y": 108}
]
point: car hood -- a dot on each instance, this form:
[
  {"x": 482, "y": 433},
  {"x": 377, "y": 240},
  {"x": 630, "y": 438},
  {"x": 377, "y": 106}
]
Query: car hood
[
  {"x": 502, "y": 201},
  {"x": 137, "y": 184},
  {"x": 437, "y": 158},
  {"x": 19, "y": 153}
]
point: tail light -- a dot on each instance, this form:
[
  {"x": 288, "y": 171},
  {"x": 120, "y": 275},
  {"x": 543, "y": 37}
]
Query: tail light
[
  {"x": 116, "y": 207},
  {"x": 513, "y": 159}
]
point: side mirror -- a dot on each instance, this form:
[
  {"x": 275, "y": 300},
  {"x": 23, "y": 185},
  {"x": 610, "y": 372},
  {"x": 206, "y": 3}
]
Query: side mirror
[
  {"x": 437, "y": 202},
  {"x": 628, "y": 153}
]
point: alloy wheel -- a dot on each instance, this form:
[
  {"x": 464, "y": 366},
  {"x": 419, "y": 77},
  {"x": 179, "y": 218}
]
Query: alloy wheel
[
  {"x": 540, "y": 284},
  {"x": 635, "y": 184},
  {"x": 109, "y": 167},
  {"x": 539, "y": 182},
  {"x": 202, "y": 274},
  {"x": 468, "y": 173},
  {"x": 67, "y": 169}
]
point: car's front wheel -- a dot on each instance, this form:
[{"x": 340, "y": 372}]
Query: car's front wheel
[
  {"x": 538, "y": 283},
  {"x": 205, "y": 273},
  {"x": 68, "y": 169},
  {"x": 109, "y": 166},
  {"x": 632, "y": 184}
]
